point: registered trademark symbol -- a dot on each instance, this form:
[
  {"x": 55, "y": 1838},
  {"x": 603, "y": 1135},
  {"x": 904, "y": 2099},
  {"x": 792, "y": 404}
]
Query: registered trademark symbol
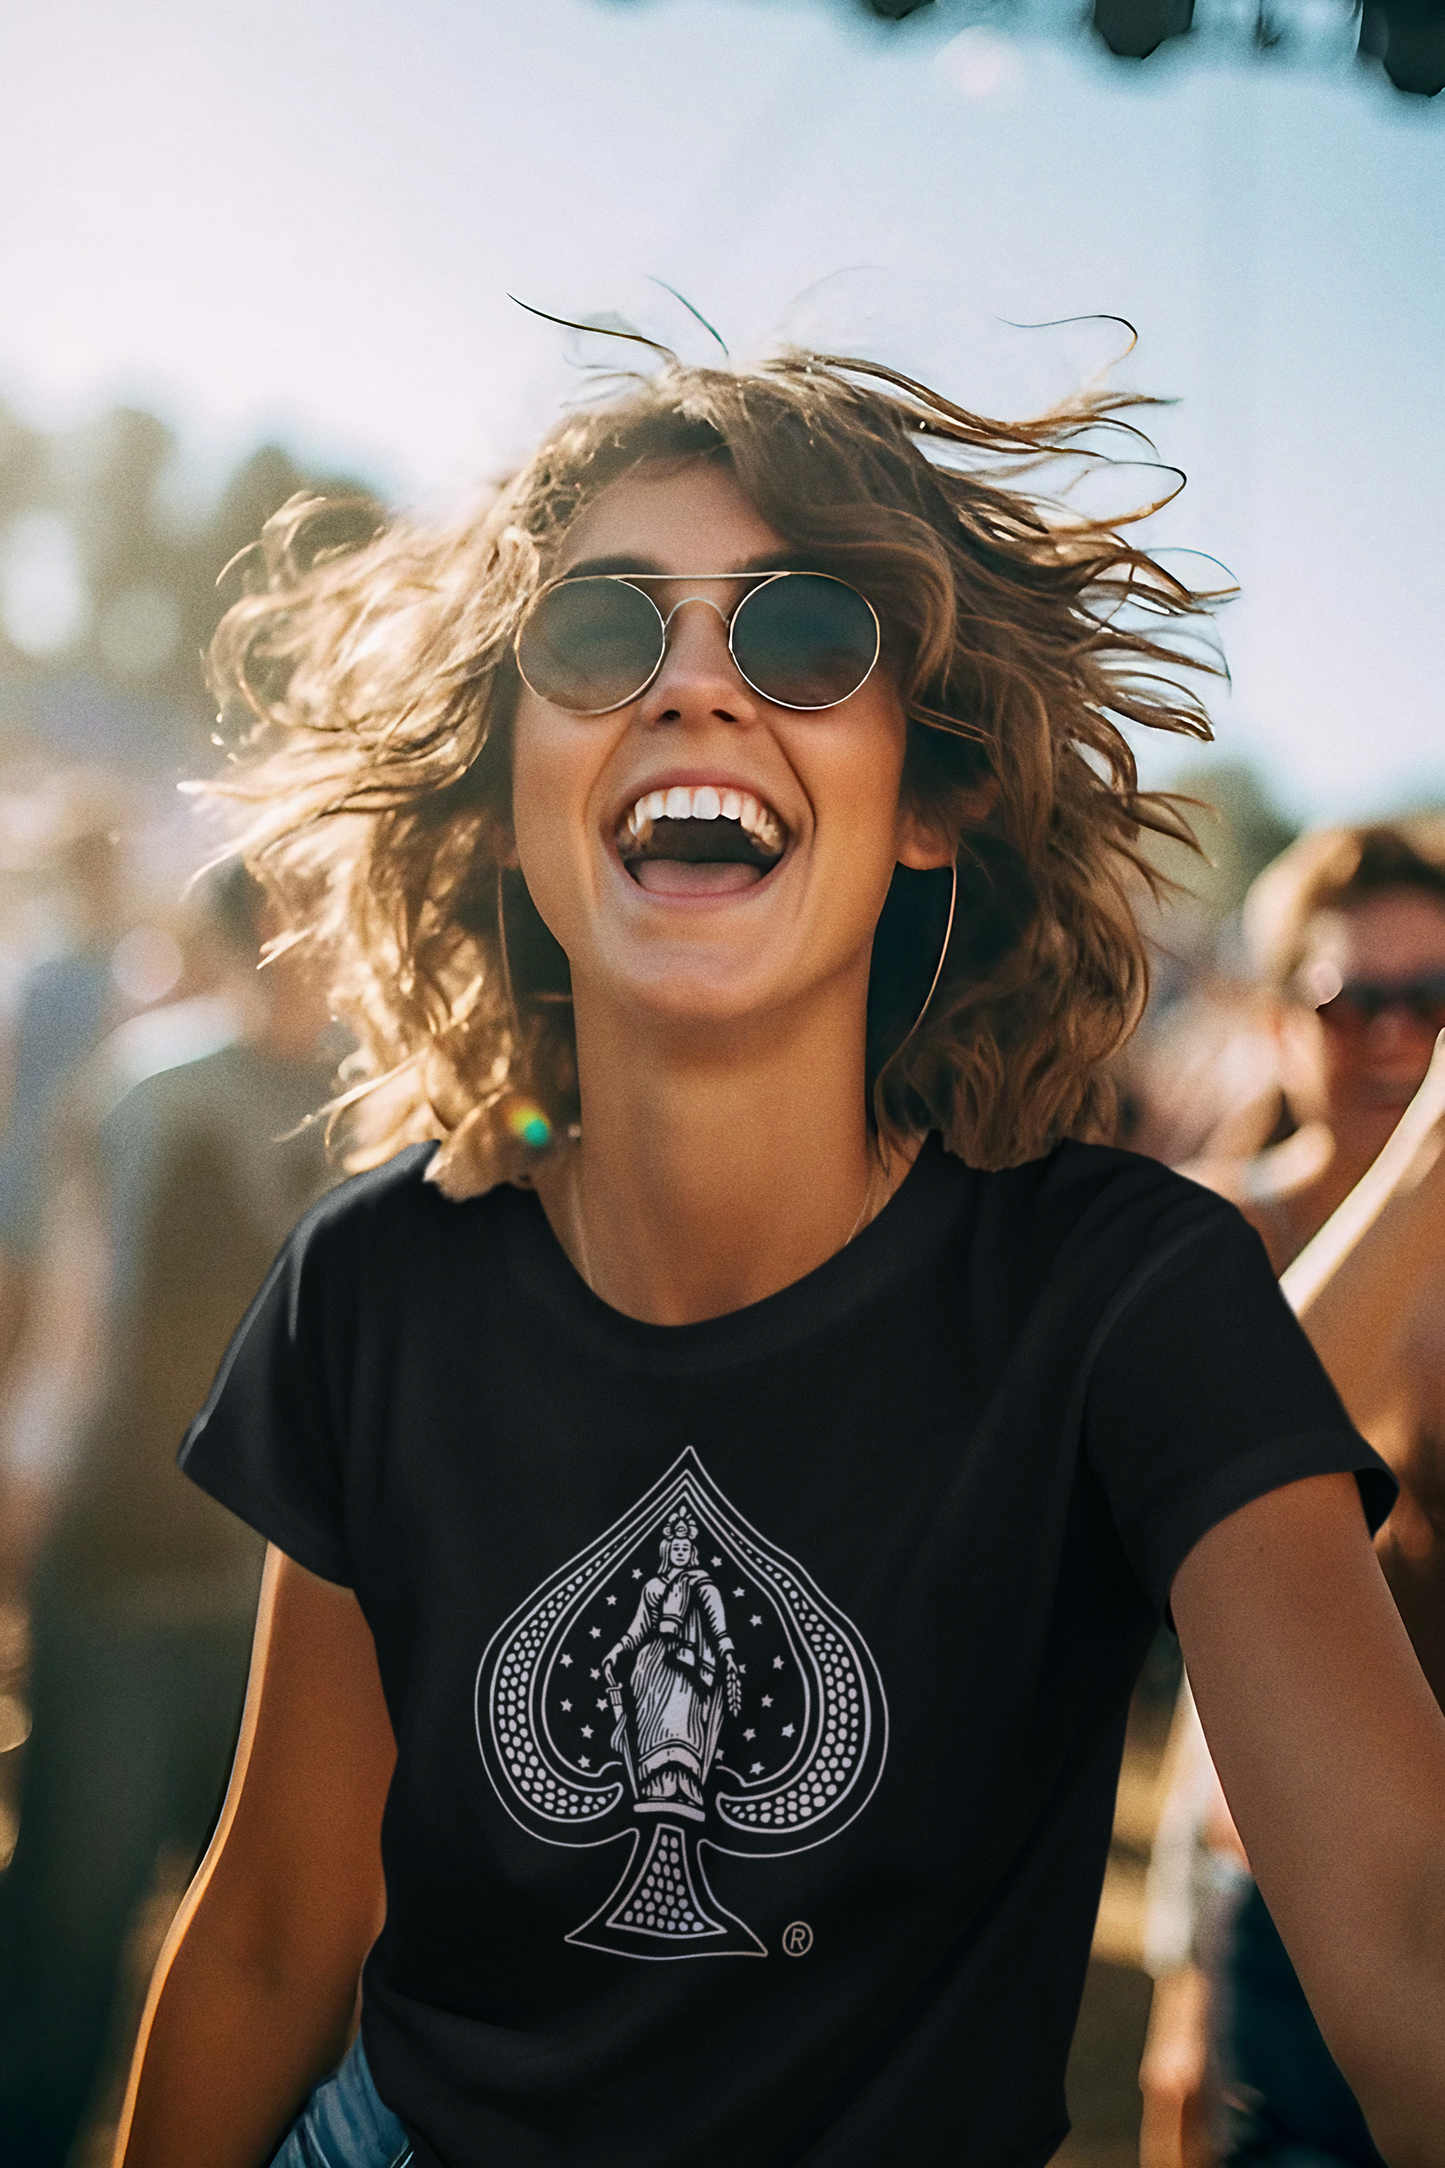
[{"x": 797, "y": 1938}]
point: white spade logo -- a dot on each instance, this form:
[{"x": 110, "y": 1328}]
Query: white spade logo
[{"x": 683, "y": 1685}]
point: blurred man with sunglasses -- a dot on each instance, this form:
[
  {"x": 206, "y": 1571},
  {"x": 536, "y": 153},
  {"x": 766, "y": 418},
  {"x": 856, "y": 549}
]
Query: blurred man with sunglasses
[
  {"x": 1347, "y": 932},
  {"x": 1349, "y": 928}
]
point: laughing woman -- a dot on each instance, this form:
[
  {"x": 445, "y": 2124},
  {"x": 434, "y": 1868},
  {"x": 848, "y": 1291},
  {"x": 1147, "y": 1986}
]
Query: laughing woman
[{"x": 726, "y": 1453}]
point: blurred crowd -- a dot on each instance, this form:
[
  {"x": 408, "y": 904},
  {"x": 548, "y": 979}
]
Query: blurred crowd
[
  {"x": 157, "y": 1140},
  {"x": 1292, "y": 1066}
]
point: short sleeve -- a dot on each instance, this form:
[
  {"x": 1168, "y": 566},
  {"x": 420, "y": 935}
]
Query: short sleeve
[
  {"x": 268, "y": 1442},
  {"x": 1204, "y": 1393}
]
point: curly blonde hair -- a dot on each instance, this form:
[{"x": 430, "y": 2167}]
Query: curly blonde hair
[{"x": 369, "y": 684}]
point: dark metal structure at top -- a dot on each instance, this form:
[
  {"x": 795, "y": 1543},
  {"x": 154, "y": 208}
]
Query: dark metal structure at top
[{"x": 1399, "y": 42}]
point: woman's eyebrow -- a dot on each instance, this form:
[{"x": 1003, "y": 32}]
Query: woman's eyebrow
[
  {"x": 649, "y": 567},
  {"x": 599, "y": 567}
]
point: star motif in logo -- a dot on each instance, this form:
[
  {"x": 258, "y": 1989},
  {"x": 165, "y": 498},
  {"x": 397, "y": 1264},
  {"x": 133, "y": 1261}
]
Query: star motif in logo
[
  {"x": 717, "y": 1561},
  {"x": 566, "y": 1659},
  {"x": 777, "y": 1660},
  {"x": 787, "y": 1731},
  {"x": 602, "y": 1703},
  {"x": 756, "y": 1770},
  {"x": 750, "y": 1734},
  {"x": 756, "y": 1619},
  {"x": 637, "y": 1573},
  {"x": 596, "y": 1632},
  {"x": 767, "y": 1701},
  {"x": 740, "y": 1592},
  {"x": 567, "y": 1705},
  {"x": 612, "y": 1599},
  {"x": 583, "y": 1762},
  {"x": 587, "y": 1731},
  {"x": 595, "y": 1674}
]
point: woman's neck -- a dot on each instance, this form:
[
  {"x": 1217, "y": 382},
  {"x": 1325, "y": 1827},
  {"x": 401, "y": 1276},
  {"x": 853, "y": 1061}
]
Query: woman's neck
[{"x": 715, "y": 1168}]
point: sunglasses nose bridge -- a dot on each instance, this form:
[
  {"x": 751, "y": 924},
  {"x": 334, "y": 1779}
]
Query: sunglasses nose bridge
[
  {"x": 703, "y": 660},
  {"x": 724, "y": 616}
]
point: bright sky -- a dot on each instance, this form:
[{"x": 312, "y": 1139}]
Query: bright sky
[{"x": 302, "y": 217}]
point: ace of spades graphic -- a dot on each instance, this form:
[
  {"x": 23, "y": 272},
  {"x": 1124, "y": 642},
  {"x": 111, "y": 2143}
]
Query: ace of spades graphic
[{"x": 682, "y": 1684}]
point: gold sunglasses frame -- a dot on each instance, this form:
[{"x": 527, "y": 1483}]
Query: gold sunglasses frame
[{"x": 761, "y": 580}]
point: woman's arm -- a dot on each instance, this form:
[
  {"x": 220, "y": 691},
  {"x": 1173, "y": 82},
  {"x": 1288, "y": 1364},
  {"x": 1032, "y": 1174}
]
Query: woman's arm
[
  {"x": 1331, "y": 1751},
  {"x": 1353, "y": 1287},
  {"x": 1358, "y": 1290},
  {"x": 255, "y": 1991}
]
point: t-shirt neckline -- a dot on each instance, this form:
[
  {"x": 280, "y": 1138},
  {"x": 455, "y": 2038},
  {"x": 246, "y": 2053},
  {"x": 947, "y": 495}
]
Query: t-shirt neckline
[{"x": 924, "y": 1202}]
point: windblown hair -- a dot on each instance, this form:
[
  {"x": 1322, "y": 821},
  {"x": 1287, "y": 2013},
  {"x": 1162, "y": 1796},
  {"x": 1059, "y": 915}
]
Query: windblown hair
[
  {"x": 1330, "y": 870},
  {"x": 370, "y": 693}
]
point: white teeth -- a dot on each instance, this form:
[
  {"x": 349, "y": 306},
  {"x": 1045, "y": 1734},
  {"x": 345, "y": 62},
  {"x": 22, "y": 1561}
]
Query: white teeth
[
  {"x": 760, "y": 822},
  {"x": 706, "y": 803}
]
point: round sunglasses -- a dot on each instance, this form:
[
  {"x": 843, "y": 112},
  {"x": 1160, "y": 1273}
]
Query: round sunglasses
[
  {"x": 1353, "y": 1004},
  {"x": 592, "y": 644}
]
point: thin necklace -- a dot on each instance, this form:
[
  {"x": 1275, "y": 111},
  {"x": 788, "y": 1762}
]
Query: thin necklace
[{"x": 865, "y": 1217}]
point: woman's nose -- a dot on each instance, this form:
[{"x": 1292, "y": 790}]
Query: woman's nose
[{"x": 698, "y": 675}]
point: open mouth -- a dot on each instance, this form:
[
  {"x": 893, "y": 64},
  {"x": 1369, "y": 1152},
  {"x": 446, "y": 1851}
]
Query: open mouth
[{"x": 700, "y": 842}]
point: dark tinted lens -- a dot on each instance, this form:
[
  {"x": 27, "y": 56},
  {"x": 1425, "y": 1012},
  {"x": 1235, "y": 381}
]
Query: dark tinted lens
[
  {"x": 805, "y": 641},
  {"x": 590, "y": 645},
  {"x": 1360, "y": 1001},
  {"x": 1428, "y": 1000}
]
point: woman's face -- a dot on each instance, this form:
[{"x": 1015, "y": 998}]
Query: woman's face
[{"x": 701, "y": 943}]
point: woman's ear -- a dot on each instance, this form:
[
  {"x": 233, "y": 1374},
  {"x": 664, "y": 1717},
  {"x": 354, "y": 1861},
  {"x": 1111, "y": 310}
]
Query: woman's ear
[{"x": 921, "y": 846}]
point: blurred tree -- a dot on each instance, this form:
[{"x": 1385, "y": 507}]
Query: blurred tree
[
  {"x": 107, "y": 602},
  {"x": 1240, "y": 829}
]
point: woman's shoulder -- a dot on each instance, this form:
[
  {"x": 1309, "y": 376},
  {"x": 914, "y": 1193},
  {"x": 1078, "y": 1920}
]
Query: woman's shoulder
[
  {"x": 380, "y": 1211},
  {"x": 1054, "y": 1242},
  {"x": 1077, "y": 1227},
  {"x": 1078, "y": 1185}
]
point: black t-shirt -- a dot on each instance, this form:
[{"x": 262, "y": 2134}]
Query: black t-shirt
[{"x": 759, "y": 1685}]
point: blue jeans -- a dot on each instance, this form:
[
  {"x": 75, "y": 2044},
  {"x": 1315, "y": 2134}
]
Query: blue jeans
[
  {"x": 345, "y": 2124},
  {"x": 1285, "y": 2102}
]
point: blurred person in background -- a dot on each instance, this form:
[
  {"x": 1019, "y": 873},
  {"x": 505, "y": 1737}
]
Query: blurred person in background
[
  {"x": 187, "y": 1139},
  {"x": 1347, "y": 934},
  {"x": 1346, "y": 931},
  {"x": 66, "y": 1000}
]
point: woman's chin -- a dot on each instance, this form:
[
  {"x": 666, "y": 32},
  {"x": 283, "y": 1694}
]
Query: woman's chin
[{"x": 678, "y": 989}]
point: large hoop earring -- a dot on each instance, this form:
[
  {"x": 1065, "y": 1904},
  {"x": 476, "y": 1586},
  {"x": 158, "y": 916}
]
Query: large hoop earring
[
  {"x": 507, "y": 988},
  {"x": 539, "y": 997},
  {"x": 938, "y": 973},
  {"x": 527, "y": 1122}
]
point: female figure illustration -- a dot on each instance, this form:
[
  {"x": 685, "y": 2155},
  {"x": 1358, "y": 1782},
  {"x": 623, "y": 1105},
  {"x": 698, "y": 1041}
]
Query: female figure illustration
[{"x": 680, "y": 1641}]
